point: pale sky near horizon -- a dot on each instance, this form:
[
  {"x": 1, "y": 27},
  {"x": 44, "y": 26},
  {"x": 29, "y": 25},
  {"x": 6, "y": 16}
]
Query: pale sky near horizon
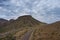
[{"x": 43, "y": 10}]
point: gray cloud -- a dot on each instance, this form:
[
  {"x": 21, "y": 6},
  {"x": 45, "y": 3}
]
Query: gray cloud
[{"x": 42, "y": 10}]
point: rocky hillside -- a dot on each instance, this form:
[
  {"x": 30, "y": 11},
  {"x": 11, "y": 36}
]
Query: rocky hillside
[
  {"x": 3, "y": 22},
  {"x": 28, "y": 28},
  {"x": 21, "y": 22},
  {"x": 47, "y": 32}
]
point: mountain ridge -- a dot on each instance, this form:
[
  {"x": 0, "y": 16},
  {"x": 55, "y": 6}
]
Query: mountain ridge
[
  {"x": 15, "y": 29},
  {"x": 22, "y": 21}
]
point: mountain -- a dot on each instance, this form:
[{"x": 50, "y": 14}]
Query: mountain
[
  {"x": 22, "y": 21},
  {"x": 19, "y": 26},
  {"x": 48, "y": 32},
  {"x": 27, "y": 28},
  {"x": 3, "y": 22},
  {"x": 28, "y": 20},
  {"x": 54, "y": 25},
  {"x": 45, "y": 32}
]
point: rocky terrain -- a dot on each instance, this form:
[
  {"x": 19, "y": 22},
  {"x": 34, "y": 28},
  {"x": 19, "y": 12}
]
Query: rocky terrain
[{"x": 27, "y": 28}]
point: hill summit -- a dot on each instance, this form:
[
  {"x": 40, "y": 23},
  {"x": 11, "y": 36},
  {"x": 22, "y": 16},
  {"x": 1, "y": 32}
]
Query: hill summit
[
  {"x": 22, "y": 21},
  {"x": 27, "y": 28}
]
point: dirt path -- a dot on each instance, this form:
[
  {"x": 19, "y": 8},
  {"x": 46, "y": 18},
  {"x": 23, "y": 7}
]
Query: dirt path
[{"x": 27, "y": 35}]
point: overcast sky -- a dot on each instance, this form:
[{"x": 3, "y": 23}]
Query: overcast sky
[{"x": 43, "y": 10}]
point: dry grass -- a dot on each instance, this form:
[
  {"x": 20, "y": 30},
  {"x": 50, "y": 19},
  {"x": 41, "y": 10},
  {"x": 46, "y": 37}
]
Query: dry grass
[
  {"x": 21, "y": 33},
  {"x": 41, "y": 31},
  {"x": 46, "y": 33}
]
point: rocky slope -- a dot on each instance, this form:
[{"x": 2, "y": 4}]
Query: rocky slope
[{"x": 20, "y": 28}]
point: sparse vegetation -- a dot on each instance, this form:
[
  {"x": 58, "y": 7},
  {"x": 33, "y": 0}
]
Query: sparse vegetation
[{"x": 16, "y": 29}]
